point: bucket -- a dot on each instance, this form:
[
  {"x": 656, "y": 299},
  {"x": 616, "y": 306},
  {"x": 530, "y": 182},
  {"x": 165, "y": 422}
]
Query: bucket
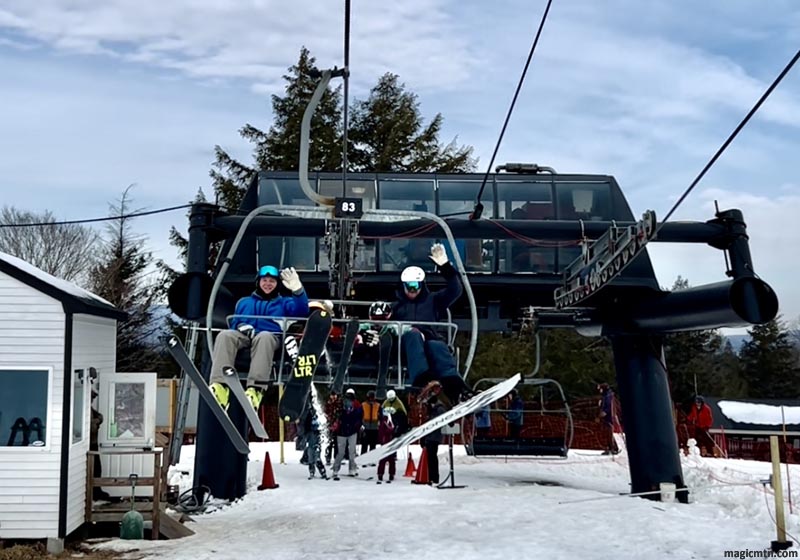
[{"x": 667, "y": 492}]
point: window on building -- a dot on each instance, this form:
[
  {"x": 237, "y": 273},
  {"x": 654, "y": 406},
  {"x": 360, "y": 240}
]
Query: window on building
[
  {"x": 417, "y": 195},
  {"x": 24, "y": 407},
  {"x": 127, "y": 411},
  {"x": 79, "y": 382}
]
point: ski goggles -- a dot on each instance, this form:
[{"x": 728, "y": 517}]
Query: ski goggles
[
  {"x": 412, "y": 286},
  {"x": 268, "y": 270}
]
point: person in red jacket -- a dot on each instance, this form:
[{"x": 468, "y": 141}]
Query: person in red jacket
[{"x": 699, "y": 421}]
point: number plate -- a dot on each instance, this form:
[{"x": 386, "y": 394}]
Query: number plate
[{"x": 348, "y": 208}]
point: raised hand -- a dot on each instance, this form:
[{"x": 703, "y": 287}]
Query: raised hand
[
  {"x": 291, "y": 280},
  {"x": 438, "y": 254}
]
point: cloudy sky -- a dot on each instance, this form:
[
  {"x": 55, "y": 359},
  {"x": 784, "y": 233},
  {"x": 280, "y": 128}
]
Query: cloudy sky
[{"x": 95, "y": 96}]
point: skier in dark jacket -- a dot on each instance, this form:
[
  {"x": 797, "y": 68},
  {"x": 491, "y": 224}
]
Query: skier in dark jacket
[
  {"x": 349, "y": 424},
  {"x": 250, "y": 330},
  {"x": 606, "y": 416},
  {"x": 427, "y": 356}
]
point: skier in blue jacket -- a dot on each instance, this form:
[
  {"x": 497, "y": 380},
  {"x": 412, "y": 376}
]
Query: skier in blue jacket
[
  {"x": 249, "y": 329},
  {"x": 428, "y": 357}
]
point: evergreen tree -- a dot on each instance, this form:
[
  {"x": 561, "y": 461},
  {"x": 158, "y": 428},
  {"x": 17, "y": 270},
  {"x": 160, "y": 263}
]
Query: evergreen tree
[
  {"x": 388, "y": 135},
  {"x": 697, "y": 362},
  {"x": 279, "y": 149},
  {"x": 769, "y": 362},
  {"x": 120, "y": 277}
]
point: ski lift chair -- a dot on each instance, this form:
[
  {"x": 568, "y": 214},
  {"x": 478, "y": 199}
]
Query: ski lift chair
[
  {"x": 365, "y": 372},
  {"x": 541, "y": 446}
]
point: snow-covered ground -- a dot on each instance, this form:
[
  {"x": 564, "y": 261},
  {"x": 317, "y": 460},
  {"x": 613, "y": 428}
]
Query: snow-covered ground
[{"x": 514, "y": 509}]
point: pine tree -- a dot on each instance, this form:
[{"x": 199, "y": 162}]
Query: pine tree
[
  {"x": 388, "y": 135},
  {"x": 697, "y": 363},
  {"x": 121, "y": 278},
  {"x": 769, "y": 362},
  {"x": 279, "y": 148}
]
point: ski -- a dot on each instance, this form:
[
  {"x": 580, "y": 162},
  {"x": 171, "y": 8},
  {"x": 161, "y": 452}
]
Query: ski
[
  {"x": 295, "y": 394},
  {"x": 478, "y": 401},
  {"x": 179, "y": 353},
  {"x": 347, "y": 352},
  {"x": 232, "y": 381},
  {"x": 385, "y": 343}
]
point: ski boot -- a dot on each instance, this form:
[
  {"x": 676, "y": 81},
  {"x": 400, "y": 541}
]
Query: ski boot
[
  {"x": 222, "y": 394},
  {"x": 254, "y": 394}
]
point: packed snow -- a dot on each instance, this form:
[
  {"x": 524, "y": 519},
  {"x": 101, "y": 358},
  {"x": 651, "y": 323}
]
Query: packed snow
[
  {"x": 59, "y": 283},
  {"x": 510, "y": 508},
  {"x": 754, "y": 413}
]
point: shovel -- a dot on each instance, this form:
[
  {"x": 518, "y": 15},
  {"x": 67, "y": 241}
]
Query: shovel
[{"x": 132, "y": 525}]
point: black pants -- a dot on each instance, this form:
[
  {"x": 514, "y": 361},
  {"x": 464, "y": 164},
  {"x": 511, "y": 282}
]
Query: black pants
[
  {"x": 513, "y": 430},
  {"x": 432, "y": 449},
  {"x": 369, "y": 439}
]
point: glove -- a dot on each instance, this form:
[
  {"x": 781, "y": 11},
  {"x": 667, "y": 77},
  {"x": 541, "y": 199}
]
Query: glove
[
  {"x": 290, "y": 344},
  {"x": 370, "y": 337},
  {"x": 438, "y": 254},
  {"x": 291, "y": 280},
  {"x": 248, "y": 330}
]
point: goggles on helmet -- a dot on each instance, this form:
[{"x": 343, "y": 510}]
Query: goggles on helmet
[
  {"x": 268, "y": 270},
  {"x": 412, "y": 286}
]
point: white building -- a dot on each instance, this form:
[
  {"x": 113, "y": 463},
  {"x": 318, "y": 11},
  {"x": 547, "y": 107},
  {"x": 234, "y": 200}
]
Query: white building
[{"x": 52, "y": 333}]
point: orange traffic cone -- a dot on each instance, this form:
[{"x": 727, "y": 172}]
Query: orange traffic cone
[
  {"x": 422, "y": 472},
  {"x": 267, "y": 478},
  {"x": 410, "y": 468}
]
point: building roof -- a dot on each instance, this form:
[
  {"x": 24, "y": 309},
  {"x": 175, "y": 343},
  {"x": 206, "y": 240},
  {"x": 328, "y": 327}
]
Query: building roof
[
  {"x": 73, "y": 298},
  {"x": 755, "y": 415}
]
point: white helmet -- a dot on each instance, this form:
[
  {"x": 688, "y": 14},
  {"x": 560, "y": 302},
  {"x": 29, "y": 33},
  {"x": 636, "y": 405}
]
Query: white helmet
[
  {"x": 412, "y": 274},
  {"x": 390, "y": 394}
]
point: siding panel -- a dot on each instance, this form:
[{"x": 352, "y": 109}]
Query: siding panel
[{"x": 40, "y": 472}]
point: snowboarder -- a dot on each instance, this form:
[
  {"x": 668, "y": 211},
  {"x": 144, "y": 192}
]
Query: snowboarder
[
  {"x": 427, "y": 355},
  {"x": 249, "y": 330},
  {"x": 313, "y": 441}
]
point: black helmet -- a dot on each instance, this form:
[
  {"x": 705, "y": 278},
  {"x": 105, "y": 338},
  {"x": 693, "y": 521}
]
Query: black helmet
[{"x": 380, "y": 310}]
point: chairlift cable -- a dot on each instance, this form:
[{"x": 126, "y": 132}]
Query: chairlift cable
[
  {"x": 476, "y": 213},
  {"x": 730, "y": 139}
]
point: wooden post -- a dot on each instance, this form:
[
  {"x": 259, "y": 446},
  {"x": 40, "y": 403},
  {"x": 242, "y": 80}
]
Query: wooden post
[
  {"x": 788, "y": 460},
  {"x": 777, "y": 488},
  {"x": 154, "y": 533},
  {"x": 89, "y": 486},
  {"x": 281, "y": 432}
]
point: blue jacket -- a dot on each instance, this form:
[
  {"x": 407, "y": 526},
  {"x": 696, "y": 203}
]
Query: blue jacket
[
  {"x": 280, "y": 306},
  {"x": 427, "y": 306},
  {"x": 514, "y": 416},
  {"x": 483, "y": 418}
]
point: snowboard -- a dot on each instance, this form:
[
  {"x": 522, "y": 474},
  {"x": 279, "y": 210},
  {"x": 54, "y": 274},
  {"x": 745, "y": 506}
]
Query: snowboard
[
  {"x": 475, "y": 403},
  {"x": 347, "y": 352},
  {"x": 179, "y": 353},
  {"x": 385, "y": 344},
  {"x": 295, "y": 393},
  {"x": 233, "y": 383}
]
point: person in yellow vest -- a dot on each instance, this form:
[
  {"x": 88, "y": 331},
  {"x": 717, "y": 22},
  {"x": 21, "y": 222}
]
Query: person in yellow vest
[{"x": 372, "y": 414}]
